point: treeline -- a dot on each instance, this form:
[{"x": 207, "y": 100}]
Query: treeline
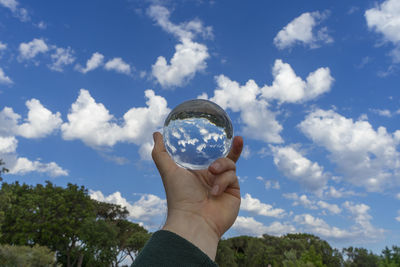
[
  {"x": 298, "y": 250},
  {"x": 48, "y": 225}
]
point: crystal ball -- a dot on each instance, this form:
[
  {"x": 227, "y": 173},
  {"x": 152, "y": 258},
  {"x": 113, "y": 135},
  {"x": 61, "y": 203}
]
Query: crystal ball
[{"x": 196, "y": 133}]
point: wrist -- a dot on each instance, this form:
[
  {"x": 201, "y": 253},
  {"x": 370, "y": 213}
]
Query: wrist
[{"x": 194, "y": 228}]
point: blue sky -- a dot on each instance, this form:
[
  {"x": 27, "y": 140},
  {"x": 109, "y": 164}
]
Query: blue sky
[{"x": 312, "y": 86}]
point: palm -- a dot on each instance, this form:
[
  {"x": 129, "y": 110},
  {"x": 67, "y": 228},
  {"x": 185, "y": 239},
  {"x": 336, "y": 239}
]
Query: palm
[{"x": 190, "y": 191}]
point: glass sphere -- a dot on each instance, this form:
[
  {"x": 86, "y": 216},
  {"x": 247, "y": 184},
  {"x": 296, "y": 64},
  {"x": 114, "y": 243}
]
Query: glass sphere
[{"x": 196, "y": 133}]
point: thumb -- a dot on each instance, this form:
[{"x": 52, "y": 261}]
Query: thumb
[{"x": 160, "y": 155}]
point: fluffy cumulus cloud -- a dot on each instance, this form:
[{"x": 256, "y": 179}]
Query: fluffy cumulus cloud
[
  {"x": 385, "y": 19},
  {"x": 92, "y": 123},
  {"x": 40, "y": 121},
  {"x": 93, "y": 63},
  {"x": 254, "y": 205},
  {"x": 8, "y": 144},
  {"x": 366, "y": 157},
  {"x": 19, "y": 12},
  {"x": 61, "y": 58},
  {"x": 304, "y": 30},
  {"x": 253, "y": 102},
  {"x": 249, "y": 226},
  {"x": 301, "y": 200},
  {"x": 189, "y": 58},
  {"x": 23, "y": 166},
  {"x": 118, "y": 65},
  {"x": 145, "y": 210},
  {"x": 319, "y": 227},
  {"x": 31, "y": 49},
  {"x": 297, "y": 167},
  {"x": 360, "y": 230},
  {"x": 288, "y": 87},
  {"x": 259, "y": 122},
  {"x": 363, "y": 226},
  {"x": 4, "y": 79},
  {"x": 312, "y": 204}
]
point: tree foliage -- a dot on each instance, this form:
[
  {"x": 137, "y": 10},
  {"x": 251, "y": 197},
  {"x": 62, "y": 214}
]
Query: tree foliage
[
  {"x": 36, "y": 256},
  {"x": 2, "y": 169},
  {"x": 81, "y": 231}
]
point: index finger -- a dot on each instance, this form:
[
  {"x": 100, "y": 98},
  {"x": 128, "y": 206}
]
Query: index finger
[{"x": 236, "y": 149}]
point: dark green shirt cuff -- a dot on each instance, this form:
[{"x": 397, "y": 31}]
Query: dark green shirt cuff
[{"x": 169, "y": 249}]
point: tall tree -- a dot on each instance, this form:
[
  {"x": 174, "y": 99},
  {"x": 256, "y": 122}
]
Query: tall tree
[{"x": 2, "y": 169}]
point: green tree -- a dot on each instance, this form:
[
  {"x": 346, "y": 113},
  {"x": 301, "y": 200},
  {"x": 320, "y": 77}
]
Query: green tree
[
  {"x": 26, "y": 256},
  {"x": 390, "y": 257},
  {"x": 82, "y": 231},
  {"x": 2, "y": 169},
  {"x": 360, "y": 257}
]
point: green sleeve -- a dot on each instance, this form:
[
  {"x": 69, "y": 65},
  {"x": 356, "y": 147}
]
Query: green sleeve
[{"x": 168, "y": 249}]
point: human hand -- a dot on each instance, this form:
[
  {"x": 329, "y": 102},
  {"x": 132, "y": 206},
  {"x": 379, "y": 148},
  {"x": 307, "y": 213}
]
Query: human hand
[{"x": 202, "y": 205}]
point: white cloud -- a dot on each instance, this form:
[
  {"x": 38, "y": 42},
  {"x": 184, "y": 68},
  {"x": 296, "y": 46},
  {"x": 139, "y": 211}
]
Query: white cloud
[
  {"x": 42, "y": 25},
  {"x": 362, "y": 219},
  {"x": 334, "y": 193},
  {"x": 321, "y": 228},
  {"x": 246, "y": 152},
  {"x": 8, "y": 144},
  {"x": 252, "y": 101},
  {"x": 365, "y": 157},
  {"x": 385, "y": 19},
  {"x": 398, "y": 217},
  {"x": 92, "y": 123},
  {"x": 249, "y": 226},
  {"x": 189, "y": 58},
  {"x": 118, "y": 65},
  {"x": 39, "y": 123},
  {"x": 60, "y": 58},
  {"x": 297, "y": 167},
  {"x": 398, "y": 196},
  {"x": 333, "y": 208},
  {"x": 186, "y": 30},
  {"x": 20, "y": 13},
  {"x": 382, "y": 112},
  {"x": 254, "y": 205},
  {"x": 146, "y": 209},
  {"x": 93, "y": 63},
  {"x": 3, "y": 46},
  {"x": 361, "y": 231},
  {"x": 272, "y": 184},
  {"x": 4, "y": 79},
  {"x": 30, "y": 50},
  {"x": 301, "y": 200},
  {"x": 302, "y": 30},
  {"x": 24, "y": 166},
  {"x": 259, "y": 122},
  {"x": 288, "y": 87}
]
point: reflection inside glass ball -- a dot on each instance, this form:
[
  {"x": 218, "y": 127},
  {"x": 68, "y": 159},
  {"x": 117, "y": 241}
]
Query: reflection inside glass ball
[{"x": 196, "y": 133}]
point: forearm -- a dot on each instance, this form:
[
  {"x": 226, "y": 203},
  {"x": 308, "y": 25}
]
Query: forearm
[{"x": 195, "y": 229}]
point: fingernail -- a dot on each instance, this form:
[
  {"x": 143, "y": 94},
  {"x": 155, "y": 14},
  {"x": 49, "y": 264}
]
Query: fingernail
[
  {"x": 216, "y": 166},
  {"x": 214, "y": 190}
]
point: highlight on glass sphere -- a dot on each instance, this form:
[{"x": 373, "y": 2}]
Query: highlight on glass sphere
[{"x": 196, "y": 133}]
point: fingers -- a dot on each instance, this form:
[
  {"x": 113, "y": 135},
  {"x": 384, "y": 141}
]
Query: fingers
[
  {"x": 222, "y": 182},
  {"x": 221, "y": 175},
  {"x": 236, "y": 149},
  {"x": 160, "y": 155}
]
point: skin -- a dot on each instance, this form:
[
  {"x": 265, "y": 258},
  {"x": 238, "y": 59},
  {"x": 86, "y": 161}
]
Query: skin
[{"x": 202, "y": 205}]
